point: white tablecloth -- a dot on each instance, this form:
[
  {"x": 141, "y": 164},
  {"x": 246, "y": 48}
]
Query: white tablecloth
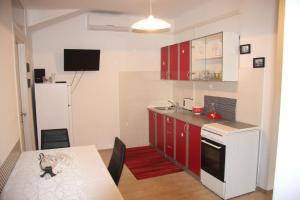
[{"x": 81, "y": 174}]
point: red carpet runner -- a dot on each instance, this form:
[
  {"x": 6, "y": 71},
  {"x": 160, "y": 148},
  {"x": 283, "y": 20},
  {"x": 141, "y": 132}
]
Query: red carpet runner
[{"x": 145, "y": 162}]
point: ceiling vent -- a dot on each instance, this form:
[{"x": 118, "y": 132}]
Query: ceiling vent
[{"x": 109, "y": 22}]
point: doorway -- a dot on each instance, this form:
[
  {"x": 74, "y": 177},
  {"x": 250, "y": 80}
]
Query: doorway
[{"x": 24, "y": 97}]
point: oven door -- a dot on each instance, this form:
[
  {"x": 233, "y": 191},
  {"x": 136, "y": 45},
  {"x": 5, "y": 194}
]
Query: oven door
[{"x": 213, "y": 158}]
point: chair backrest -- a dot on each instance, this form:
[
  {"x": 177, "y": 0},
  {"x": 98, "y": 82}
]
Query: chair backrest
[
  {"x": 54, "y": 138},
  {"x": 117, "y": 160}
]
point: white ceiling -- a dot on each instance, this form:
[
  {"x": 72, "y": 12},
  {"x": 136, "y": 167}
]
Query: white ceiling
[{"x": 161, "y": 8}]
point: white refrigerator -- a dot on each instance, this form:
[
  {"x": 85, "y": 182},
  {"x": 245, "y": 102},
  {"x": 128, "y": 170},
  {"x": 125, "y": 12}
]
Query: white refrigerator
[{"x": 53, "y": 108}]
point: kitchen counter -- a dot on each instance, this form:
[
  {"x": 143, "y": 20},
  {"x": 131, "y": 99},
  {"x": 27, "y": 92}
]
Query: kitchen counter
[{"x": 200, "y": 120}]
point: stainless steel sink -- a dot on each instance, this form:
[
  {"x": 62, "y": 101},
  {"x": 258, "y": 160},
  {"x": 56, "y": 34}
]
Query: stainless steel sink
[{"x": 165, "y": 108}]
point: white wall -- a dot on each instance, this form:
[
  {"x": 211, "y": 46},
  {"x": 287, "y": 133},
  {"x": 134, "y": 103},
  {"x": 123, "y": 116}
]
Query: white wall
[
  {"x": 256, "y": 23},
  {"x": 9, "y": 120},
  {"x": 36, "y": 16},
  {"x": 287, "y": 178},
  {"x": 137, "y": 90},
  {"x": 96, "y": 113}
]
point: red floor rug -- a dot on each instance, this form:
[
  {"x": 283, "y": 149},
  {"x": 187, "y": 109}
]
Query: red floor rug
[{"x": 145, "y": 162}]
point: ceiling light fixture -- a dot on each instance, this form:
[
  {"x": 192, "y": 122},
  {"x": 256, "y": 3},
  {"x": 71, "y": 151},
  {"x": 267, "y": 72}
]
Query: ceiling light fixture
[{"x": 150, "y": 24}]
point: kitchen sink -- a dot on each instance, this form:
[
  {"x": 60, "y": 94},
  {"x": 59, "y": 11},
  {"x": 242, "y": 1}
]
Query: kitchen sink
[{"x": 165, "y": 108}]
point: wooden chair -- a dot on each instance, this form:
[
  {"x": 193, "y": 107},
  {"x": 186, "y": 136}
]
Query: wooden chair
[{"x": 117, "y": 160}]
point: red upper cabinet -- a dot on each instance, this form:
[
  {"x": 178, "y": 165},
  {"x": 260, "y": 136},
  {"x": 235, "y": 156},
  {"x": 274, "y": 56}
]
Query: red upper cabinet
[
  {"x": 181, "y": 142},
  {"x": 164, "y": 62},
  {"x": 160, "y": 131},
  {"x": 152, "y": 119},
  {"x": 194, "y": 149},
  {"x": 184, "y": 50},
  {"x": 170, "y": 136},
  {"x": 174, "y": 62}
]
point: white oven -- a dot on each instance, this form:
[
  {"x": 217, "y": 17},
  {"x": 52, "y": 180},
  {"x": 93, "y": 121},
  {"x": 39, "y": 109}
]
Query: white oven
[
  {"x": 213, "y": 158},
  {"x": 213, "y": 152},
  {"x": 229, "y": 159}
]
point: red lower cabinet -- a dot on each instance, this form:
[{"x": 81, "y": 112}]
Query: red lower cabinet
[
  {"x": 160, "y": 131},
  {"x": 181, "y": 142},
  {"x": 160, "y": 124},
  {"x": 170, "y": 136},
  {"x": 152, "y": 119},
  {"x": 194, "y": 149}
]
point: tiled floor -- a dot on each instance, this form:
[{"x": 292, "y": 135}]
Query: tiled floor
[{"x": 177, "y": 186}]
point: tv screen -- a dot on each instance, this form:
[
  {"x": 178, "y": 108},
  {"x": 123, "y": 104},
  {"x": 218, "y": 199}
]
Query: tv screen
[{"x": 81, "y": 59}]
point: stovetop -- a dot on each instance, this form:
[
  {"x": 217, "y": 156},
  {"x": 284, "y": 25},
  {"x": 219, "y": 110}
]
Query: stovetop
[{"x": 226, "y": 127}]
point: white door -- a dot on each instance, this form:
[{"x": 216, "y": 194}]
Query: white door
[{"x": 27, "y": 135}]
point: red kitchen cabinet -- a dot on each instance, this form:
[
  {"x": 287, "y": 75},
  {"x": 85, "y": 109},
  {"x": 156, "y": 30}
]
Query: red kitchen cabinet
[
  {"x": 184, "y": 60},
  {"x": 170, "y": 136},
  {"x": 164, "y": 62},
  {"x": 152, "y": 119},
  {"x": 174, "y": 62},
  {"x": 160, "y": 131},
  {"x": 194, "y": 149},
  {"x": 181, "y": 142}
]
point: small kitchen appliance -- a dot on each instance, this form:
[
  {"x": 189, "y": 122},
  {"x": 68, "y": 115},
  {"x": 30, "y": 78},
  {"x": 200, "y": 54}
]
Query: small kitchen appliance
[
  {"x": 197, "y": 110},
  {"x": 188, "y": 103},
  {"x": 213, "y": 115}
]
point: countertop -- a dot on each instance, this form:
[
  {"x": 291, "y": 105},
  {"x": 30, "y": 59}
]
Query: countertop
[{"x": 200, "y": 120}]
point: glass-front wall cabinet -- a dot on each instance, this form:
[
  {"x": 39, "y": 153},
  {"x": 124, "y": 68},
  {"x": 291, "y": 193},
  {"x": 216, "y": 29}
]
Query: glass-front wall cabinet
[
  {"x": 198, "y": 59},
  {"x": 207, "y": 58},
  {"x": 215, "y": 57},
  {"x": 211, "y": 58}
]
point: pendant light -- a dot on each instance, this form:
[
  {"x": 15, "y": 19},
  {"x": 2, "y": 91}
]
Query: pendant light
[{"x": 150, "y": 24}]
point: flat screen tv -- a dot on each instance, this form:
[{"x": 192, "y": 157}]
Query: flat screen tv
[{"x": 81, "y": 59}]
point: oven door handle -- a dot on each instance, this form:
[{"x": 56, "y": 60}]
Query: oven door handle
[{"x": 210, "y": 144}]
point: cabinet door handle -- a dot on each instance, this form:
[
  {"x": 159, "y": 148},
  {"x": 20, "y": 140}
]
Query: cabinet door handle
[
  {"x": 181, "y": 134},
  {"x": 182, "y": 51},
  {"x": 186, "y": 126}
]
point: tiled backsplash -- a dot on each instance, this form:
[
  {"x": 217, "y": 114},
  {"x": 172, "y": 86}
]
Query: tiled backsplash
[
  {"x": 8, "y": 165},
  {"x": 226, "y": 107}
]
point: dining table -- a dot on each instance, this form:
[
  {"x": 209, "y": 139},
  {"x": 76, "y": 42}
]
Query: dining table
[{"x": 79, "y": 173}]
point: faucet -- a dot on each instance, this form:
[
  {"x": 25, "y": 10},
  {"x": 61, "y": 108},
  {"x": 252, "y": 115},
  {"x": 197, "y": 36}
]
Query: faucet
[{"x": 173, "y": 104}]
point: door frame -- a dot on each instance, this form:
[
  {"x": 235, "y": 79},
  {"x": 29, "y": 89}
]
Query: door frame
[{"x": 24, "y": 107}]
